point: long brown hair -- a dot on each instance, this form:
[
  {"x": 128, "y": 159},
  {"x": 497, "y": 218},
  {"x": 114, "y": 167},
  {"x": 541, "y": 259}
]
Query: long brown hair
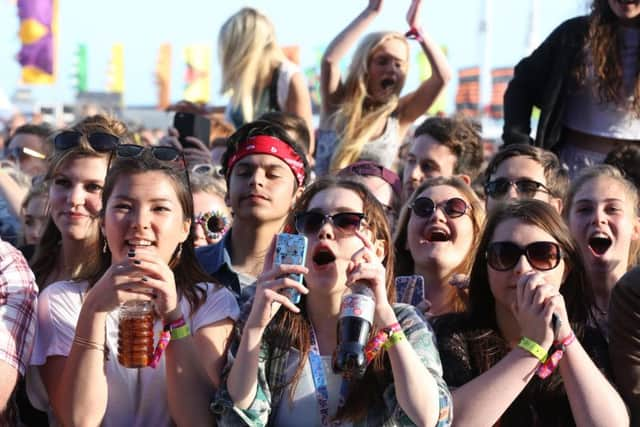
[
  {"x": 184, "y": 264},
  {"x": 405, "y": 264},
  {"x": 602, "y": 48},
  {"x": 290, "y": 329},
  {"x": 45, "y": 259}
]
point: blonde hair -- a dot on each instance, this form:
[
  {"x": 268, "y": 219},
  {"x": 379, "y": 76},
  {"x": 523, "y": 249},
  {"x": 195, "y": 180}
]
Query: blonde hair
[
  {"x": 248, "y": 52},
  {"x": 630, "y": 192},
  {"x": 352, "y": 121}
]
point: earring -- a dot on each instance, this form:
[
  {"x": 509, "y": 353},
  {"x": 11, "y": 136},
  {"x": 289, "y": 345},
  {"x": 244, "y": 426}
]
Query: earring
[
  {"x": 105, "y": 248},
  {"x": 179, "y": 251}
]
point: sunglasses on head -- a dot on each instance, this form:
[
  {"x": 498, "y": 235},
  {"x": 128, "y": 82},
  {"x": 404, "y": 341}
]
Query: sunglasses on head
[
  {"x": 311, "y": 222},
  {"x": 425, "y": 207},
  {"x": 99, "y": 141},
  {"x": 165, "y": 154},
  {"x": 543, "y": 256},
  {"x": 207, "y": 169},
  {"x": 525, "y": 187}
]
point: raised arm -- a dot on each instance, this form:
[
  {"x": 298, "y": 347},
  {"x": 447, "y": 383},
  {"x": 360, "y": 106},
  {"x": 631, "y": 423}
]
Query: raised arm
[
  {"x": 416, "y": 103},
  {"x": 330, "y": 81}
]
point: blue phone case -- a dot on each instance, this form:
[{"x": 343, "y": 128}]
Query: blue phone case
[
  {"x": 291, "y": 249},
  {"x": 410, "y": 289}
]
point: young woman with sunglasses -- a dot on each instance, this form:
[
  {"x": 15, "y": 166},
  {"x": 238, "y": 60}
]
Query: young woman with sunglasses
[
  {"x": 525, "y": 354},
  {"x": 76, "y": 175},
  {"x": 437, "y": 233},
  {"x": 285, "y": 349},
  {"x": 148, "y": 255},
  {"x": 604, "y": 217}
]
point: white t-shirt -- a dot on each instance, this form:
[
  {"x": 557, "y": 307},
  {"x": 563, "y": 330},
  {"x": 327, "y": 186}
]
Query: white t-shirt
[{"x": 136, "y": 397}]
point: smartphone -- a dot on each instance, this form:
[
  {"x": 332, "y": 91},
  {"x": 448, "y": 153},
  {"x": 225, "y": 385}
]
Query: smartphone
[
  {"x": 189, "y": 124},
  {"x": 291, "y": 249},
  {"x": 410, "y": 289}
]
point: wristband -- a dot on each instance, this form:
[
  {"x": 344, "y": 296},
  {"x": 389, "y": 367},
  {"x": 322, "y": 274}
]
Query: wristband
[
  {"x": 163, "y": 342},
  {"x": 175, "y": 324},
  {"x": 180, "y": 332},
  {"x": 533, "y": 348},
  {"x": 556, "y": 353},
  {"x": 375, "y": 344},
  {"x": 414, "y": 34},
  {"x": 393, "y": 339}
]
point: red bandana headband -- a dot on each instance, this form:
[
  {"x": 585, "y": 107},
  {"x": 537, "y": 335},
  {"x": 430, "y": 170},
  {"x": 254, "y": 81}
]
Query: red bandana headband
[{"x": 263, "y": 144}]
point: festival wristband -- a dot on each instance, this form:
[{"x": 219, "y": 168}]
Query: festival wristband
[
  {"x": 414, "y": 34},
  {"x": 175, "y": 324},
  {"x": 375, "y": 344},
  {"x": 557, "y": 351},
  {"x": 163, "y": 342},
  {"x": 533, "y": 348},
  {"x": 180, "y": 332},
  {"x": 394, "y": 339}
]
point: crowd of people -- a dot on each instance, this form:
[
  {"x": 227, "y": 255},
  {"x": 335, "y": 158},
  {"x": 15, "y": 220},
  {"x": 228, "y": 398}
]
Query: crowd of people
[{"x": 526, "y": 259}]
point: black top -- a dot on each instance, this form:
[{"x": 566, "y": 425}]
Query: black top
[{"x": 465, "y": 350}]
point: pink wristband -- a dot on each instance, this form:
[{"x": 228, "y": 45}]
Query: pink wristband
[
  {"x": 414, "y": 34},
  {"x": 555, "y": 355},
  {"x": 163, "y": 342}
]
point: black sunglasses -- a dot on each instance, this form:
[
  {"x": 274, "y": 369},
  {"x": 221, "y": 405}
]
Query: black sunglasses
[
  {"x": 99, "y": 141},
  {"x": 165, "y": 154},
  {"x": 311, "y": 222},
  {"x": 543, "y": 256},
  {"x": 425, "y": 207},
  {"x": 525, "y": 187},
  {"x": 214, "y": 223}
]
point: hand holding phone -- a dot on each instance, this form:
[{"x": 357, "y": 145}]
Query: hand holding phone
[
  {"x": 189, "y": 124},
  {"x": 291, "y": 249},
  {"x": 410, "y": 289}
]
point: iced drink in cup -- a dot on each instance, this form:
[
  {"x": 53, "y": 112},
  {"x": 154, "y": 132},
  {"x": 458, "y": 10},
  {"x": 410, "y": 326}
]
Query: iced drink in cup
[{"x": 135, "y": 334}]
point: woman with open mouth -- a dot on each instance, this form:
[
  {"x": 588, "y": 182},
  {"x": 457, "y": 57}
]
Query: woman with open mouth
[
  {"x": 364, "y": 117},
  {"x": 584, "y": 79},
  {"x": 282, "y": 371},
  {"x": 526, "y": 353},
  {"x": 437, "y": 234},
  {"x": 603, "y": 215}
]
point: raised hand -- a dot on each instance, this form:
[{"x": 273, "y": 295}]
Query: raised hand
[
  {"x": 375, "y": 5},
  {"x": 413, "y": 14}
]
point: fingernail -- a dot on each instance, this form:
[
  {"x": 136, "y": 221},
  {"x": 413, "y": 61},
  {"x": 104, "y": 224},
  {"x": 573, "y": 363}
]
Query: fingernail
[
  {"x": 154, "y": 296},
  {"x": 131, "y": 254},
  {"x": 144, "y": 279},
  {"x": 137, "y": 262}
]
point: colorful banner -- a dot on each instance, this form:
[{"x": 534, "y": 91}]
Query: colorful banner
[
  {"x": 163, "y": 76},
  {"x": 468, "y": 95},
  {"x": 81, "y": 69},
  {"x": 439, "y": 106},
  {"x": 38, "y": 30},
  {"x": 198, "y": 74},
  {"x": 500, "y": 78},
  {"x": 115, "y": 75}
]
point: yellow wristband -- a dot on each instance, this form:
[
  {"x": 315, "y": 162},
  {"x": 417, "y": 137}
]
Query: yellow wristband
[
  {"x": 393, "y": 339},
  {"x": 533, "y": 348},
  {"x": 180, "y": 332}
]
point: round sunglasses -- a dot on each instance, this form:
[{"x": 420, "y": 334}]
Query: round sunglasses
[
  {"x": 542, "y": 256},
  {"x": 425, "y": 207},
  {"x": 308, "y": 223},
  {"x": 165, "y": 154},
  {"x": 99, "y": 141},
  {"x": 528, "y": 188},
  {"x": 214, "y": 223}
]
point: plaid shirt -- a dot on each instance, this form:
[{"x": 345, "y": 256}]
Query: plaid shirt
[
  {"x": 18, "y": 293},
  {"x": 419, "y": 334}
]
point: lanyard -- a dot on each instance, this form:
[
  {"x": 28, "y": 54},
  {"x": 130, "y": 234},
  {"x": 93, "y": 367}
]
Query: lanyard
[{"x": 320, "y": 383}]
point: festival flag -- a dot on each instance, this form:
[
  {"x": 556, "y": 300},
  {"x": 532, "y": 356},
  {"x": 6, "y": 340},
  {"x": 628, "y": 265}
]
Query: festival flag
[
  {"x": 81, "y": 69},
  {"x": 163, "y": 76},
  {"x": 468, "y": 95},
  {"x": 439, "y": 106},
  {"x": 198, "y": 74},
  {"x": 38, "y": 30},
  {"x": 115, "y": 74},
  {"x": 500, "y": 78}
]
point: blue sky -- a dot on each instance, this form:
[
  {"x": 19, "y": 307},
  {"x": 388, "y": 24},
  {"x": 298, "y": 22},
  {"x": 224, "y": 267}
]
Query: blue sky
[{"x": 142, "y": 25}]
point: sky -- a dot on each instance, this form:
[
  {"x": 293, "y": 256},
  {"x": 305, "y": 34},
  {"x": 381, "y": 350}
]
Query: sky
[{"x": 143, "y": 25}]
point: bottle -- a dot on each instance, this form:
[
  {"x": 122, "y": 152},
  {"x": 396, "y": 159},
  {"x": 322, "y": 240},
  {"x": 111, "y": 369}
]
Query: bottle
[
  {"x": 135, "y": 334},
  {"x": 354, "y": 324}
]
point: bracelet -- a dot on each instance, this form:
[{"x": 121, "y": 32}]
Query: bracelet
[
  {"x": 557, "y": 351},
  {"x": 163, "y": 342},
  {"x": 175, "y": 324},
  {"x": 394, "y": 339},
  {"x": 92, "y": 345},
  {"x": 414, "y": 34},
  {"x": 533, "y": 348},
  {"x": 180, "y": 332},
  {"x": 375, "y": 344}
]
